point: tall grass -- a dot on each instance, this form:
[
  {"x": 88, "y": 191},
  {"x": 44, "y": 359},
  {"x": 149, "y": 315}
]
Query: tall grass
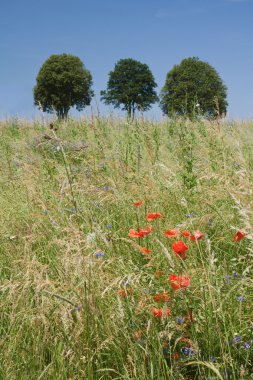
[{"x": 77, "y": 294}]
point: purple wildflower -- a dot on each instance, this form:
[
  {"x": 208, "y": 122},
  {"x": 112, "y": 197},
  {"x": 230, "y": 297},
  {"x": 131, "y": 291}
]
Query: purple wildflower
[
  {"x": 188, "y": 351},
  {"x": 99, "y": 254},
  {"x": 241, "y": 298},
  {"x": 192, "y": 215},
  {"x": 246, "y": 345},
  {"x": 108, "y": 226},
  {"x": 180, "y": 320},
  {"x": 236, "y": 340}
]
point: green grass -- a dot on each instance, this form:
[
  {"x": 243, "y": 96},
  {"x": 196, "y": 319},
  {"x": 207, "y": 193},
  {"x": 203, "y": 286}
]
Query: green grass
[{"x": 61, "y": 315}]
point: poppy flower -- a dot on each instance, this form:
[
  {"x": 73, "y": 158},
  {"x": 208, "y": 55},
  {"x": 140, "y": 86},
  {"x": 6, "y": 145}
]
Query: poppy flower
[
  {"x": 172, "y": 233},
  {"x": 239, "y": 235},
  {"x": 162, "y": 297},
  {"x": 135, "y": 234},
  {"x": 190, "y": 317},
  {"x": 197, "y": 235},
  {"x": 146, "y": 231},
  {"x": 137, "y": 334},
  {"x": 178, "y": 282},
  {"x": 124, "y": 293},
  {"x": 186, "y": 233},
  {"x": 140, "y": 233},
  {"x": 175, "y": 356},
  {"x": 138, "y": 203},
  {"x": 145, "y": 251},
  {"x": 159, "y": 312},
  {"x": 153, "y": 215},
  {"x": 179, "y": 247}
]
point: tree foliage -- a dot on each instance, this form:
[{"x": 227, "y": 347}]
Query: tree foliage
[
  {"x": 193, "y": 87},
  {"x": 130, "y": 87},
  {"x": 62, "y": 83}
]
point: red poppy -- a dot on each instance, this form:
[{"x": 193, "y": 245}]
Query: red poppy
[
  {"x": 162, "y": 297},
  {"x": 179, "y": 247},
  {"x": 153, "y": 215},
  {"x": 172, "y": 233},
  {"x": 124, "y": 293},
  {"x": 175, "y": 356},
  {"x": 186, "y": 233},
  {"x": 190, "y": 317},
  {"x": 135, "y": 234},
  {"x": 137, "y": 334},
  {"x": 145, "y": 251},
  {"x": 140, "y": 233},
  {"x": 146, "y": 231},
  {"x": 178, "y": 282},
  {"x": 239, "y": 235},
  {"x": 138, "y": 203},
  {"x": 197, "y": 235},
  {"x": 159, "y": 312}
]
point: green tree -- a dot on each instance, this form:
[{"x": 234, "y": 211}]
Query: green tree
[
  {"x": 130, "y": 87},
  {"x": 194, "y": 87},
  {"x": 62, "y": 83}
]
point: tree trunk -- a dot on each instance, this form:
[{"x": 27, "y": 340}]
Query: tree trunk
[{"x": 62, "y": 113}]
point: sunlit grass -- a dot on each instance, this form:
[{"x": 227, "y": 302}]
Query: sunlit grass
[{"x": 77, "y": 293}]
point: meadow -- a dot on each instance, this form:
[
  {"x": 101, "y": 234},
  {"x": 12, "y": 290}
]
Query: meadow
[{"x": 94, "y": 282}]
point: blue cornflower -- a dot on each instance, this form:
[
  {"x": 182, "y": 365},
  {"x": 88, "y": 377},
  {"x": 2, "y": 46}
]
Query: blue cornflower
[
  {"x": 236, "y": 340},
  {"x": 188, "y": 351},
  {"x": 180, "y": 320},
  {"x": 246, "y": 345},
  {"x": 241, "y": 298},
  {"x": 78, "y": 308},
  {"x": 99, "y": 254},
  {"x": 108, "y": 226},
  {"x": 192, "y": 215}
]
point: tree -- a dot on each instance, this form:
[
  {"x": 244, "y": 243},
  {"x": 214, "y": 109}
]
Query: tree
[
  {"x": 63, "y": 82},
  {"x": 130, "y": 86},
  {"x": 194, "y": 87}
]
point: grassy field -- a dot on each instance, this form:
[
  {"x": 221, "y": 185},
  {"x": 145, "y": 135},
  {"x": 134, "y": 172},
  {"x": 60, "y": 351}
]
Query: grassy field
[{"x": 79, "y": 297}]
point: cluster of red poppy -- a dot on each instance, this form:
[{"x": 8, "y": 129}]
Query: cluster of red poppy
[
  {"x": 179, "y": 247},
  {"x": 177, "y": 282}
]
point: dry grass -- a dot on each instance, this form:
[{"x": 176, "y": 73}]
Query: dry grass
[{"x": 61, "y": 315}]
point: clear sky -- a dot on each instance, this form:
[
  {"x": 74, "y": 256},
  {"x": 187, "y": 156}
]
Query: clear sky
[{"x": 159, "y": 33}]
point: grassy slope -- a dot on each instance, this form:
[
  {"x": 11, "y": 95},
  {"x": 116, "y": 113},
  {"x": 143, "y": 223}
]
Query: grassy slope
[{"x": 49, "y": 269}]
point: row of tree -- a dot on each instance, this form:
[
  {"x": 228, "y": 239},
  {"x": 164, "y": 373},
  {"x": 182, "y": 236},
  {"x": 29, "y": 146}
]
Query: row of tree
[{"x": 192, "y": 87}]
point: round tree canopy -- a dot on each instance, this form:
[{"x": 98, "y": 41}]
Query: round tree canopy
[
  {"x": 194, "y": 87},
  {"x": 63, "y": 82},
  {"x": 130, "y": 86}
]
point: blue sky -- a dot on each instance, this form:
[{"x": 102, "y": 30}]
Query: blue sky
[{"x": 159, "y": 33}]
